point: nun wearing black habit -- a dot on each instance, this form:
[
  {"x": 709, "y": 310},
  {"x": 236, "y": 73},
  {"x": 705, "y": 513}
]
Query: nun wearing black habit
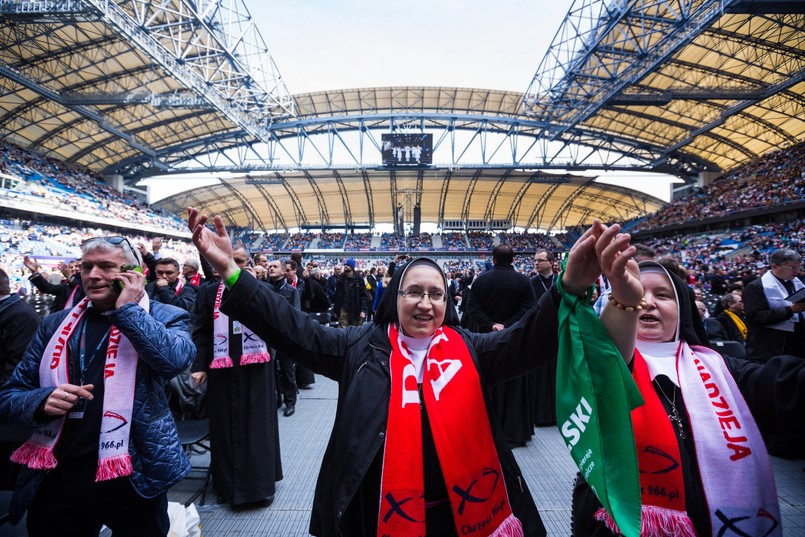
[{"x": 702, "y": 431}]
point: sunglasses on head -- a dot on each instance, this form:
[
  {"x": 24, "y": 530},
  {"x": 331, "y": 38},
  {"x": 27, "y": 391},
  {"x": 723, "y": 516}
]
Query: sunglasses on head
[{"x": 122, "y": 242}]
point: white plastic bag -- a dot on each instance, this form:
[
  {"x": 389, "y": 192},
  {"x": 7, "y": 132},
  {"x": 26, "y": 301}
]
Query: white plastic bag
[
  {"x": 184, "y": 521},
  {"x": 178, "y": 518},
  {"x": 192, "y": 521}
]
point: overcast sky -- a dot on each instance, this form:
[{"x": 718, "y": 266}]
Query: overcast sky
[
  {"x": 325, "y": 45},
  {"x": 322, "y": 45}
]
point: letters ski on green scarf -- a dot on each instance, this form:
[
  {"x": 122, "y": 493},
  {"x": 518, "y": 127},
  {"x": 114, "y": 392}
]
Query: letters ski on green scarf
[{"x": 595, "y": 394}]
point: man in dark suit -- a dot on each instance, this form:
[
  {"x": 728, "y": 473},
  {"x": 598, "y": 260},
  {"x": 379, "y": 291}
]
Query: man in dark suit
[
  {"x": 498, "y": 298},
  {"x": 169, "y": 288},
  {"x": 240, "y": 396},
  {"x": 731, "y": 318},
  {"x": 287, "y": 388},
  {"x": 544, "y": 280},
  {"x": 68, "y": 293}
]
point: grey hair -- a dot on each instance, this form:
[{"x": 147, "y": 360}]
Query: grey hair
[
  {"x": 784, "y": 255},
  {"x": 100, "y": 243},
  {"x": 728, "y": 300}
]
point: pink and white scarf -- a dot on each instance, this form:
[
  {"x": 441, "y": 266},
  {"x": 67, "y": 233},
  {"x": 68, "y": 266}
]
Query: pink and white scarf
[
  {"x": 729, "y": 447},
  {"x": 730, "y": 452},
  {"x": 120, "y": 372},
  {"x": 254, "y": 349}
]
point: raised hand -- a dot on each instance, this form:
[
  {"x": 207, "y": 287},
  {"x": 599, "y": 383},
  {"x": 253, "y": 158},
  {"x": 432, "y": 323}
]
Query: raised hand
[
  {"x": 215, "y": 246},
  {"x": 583, "y": 268},
  {"x": 615, "y": 256},
  {"x": 604, "y": 250},
  {"x": 30, "y": 264}
]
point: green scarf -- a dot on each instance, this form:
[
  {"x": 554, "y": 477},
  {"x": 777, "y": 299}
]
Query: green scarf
[{"x": 595, "y": 394}]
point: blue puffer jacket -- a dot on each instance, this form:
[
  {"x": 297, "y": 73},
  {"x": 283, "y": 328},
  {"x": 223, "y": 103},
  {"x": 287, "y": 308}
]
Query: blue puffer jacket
[{"x": 165, "y": 349}]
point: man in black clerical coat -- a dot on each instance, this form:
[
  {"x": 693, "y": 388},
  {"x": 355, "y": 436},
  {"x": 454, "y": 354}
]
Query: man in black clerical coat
[
  {"x": 240, "y": 405},
  {"x": 498, "y": 298},
  {"x": 286, "y": 380},
  {"x": 776, "y": 326},
  {"x": 544, "y": 377}
]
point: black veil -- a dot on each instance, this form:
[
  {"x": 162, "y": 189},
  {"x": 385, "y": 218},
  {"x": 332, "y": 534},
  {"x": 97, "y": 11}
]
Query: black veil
[{"x": 387, "y": 309}]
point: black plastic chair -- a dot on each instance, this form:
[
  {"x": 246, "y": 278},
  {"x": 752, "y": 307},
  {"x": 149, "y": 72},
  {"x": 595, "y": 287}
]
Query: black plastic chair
[
  {"x": 735, "y": 349},
  {"x": 193, "y": 434}
]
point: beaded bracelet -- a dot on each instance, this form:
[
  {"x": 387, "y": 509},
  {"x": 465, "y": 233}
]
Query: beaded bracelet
[{"x": 627, "y": 308}]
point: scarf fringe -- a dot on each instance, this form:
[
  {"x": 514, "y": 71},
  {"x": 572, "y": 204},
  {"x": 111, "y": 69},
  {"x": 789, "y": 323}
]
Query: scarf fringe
[
  {"x": 511, "y": 527},
  {"x": 655, "y": 522},
  {"x": 113, "y": 467},
  {"x": 35, "y": 456},
  {"x": 254, "y": 358},
  {"x": 221, "y": 362}
]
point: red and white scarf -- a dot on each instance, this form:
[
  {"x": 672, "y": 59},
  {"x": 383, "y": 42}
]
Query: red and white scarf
[
  {"x": 120, "y": 372},
  {"x": 196, "y": 279},
  {"x": 734, "y": 465},
  {"x": 254, "y": 349},
  {"x": 451, "y": 390}
]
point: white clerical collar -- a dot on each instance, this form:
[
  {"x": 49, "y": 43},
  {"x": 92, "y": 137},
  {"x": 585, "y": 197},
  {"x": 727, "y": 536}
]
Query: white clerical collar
[
  {"x": 660, "y": 358},
  {"x": 418, "y": 349},
  {"x": 416, "y": 343}
]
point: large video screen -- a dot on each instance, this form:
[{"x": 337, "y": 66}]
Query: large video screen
[{"x": 407, "y": 149}]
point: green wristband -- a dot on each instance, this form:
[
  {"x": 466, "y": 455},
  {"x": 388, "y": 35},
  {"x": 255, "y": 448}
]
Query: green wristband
[{"x": 229, "y": 282}]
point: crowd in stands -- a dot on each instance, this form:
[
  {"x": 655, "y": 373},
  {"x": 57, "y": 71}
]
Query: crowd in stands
[
  {"x": 49, "y": 244},
  {"x": 274, "y": 241},
  {"x": 357, "y": 241},
  {"x": 480, "y": 240},
  {"x": 453, "y": 240},
  {"x": 330, "y": 241},
  {"x": 738, "y": 252},
  {"x": 528, "y": 241},
  {"x": 423, "y": 241},
  {"x": 299, "y": 241},
  {"x": 774, "y": 180},
  {"x": 392, "y": 242},
  {"x": 50, "y": 184},
  {"x": 463, "y": 266}
]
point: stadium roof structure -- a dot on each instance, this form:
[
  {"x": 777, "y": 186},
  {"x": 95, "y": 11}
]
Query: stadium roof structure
[
  {"x": 454, "y": 199},
  {"x": 713, "y": 83},
  {"x": 136, "y": 89}
]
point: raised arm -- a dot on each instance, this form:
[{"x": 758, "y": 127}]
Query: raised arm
[
  {"x": 215, "y": 246},
  {"x": 604, "y": 250},
  {"x": 264, "y": 311}
]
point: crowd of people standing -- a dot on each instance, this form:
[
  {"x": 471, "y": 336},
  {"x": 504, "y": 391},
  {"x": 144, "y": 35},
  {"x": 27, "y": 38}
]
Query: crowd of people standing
[{"x": 442, "y": 369}]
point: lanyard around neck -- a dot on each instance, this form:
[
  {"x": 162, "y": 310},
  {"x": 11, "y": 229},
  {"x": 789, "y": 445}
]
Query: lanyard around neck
[{"x": 84, "y": 363}]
